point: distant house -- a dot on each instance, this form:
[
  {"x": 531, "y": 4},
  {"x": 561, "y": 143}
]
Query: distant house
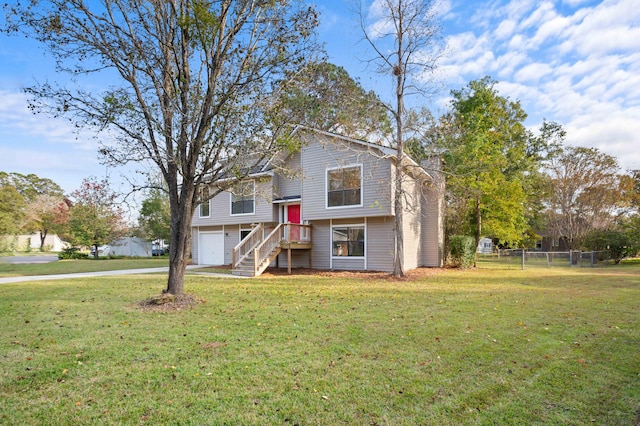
[
  {"x": 130, "y": 246},
  {"x": 32, "y": 242},
  {"x": 485, "y": 246},
  {"x": 336, "y": 211}
]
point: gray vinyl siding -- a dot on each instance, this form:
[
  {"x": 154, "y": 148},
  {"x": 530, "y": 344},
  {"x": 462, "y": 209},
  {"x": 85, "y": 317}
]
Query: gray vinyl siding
[
  {"x": 231, "y": 239},
  {"x": 433, "y": 229},
  {"x": 321, "y": 240},
  {"x": 299, "y": 259},
  {"x": 194, "y": 245},
  {"x": 220, "y": 207},
  {"x": 291, "y": 184},
  {"x": 412, "y": 225},
  {"x": 319, "y": 154},
  {"x": 380, "y": 244}
]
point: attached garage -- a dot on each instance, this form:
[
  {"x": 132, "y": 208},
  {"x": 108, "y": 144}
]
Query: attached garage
[{"x": 211, "y": 248}]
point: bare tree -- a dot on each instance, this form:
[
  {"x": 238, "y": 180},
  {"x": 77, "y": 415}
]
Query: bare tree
[
  {"x": 405, "y": 38},
  {"x": 191, "y": 85},
  {"x": 586, "y": 192}
]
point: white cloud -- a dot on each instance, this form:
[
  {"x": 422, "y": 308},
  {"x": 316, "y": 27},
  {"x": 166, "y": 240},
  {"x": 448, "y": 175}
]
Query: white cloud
[
  {"x": 505, "y": 29},
  {"x": 568, "y": 61},
  {"x": 533, "y": 72}
]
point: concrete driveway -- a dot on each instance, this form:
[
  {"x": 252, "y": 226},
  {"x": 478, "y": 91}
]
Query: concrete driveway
[{"x": 7, "y": 280}]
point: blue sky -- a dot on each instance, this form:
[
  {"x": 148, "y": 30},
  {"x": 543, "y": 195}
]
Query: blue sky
[{"x": 576, "y": 62}]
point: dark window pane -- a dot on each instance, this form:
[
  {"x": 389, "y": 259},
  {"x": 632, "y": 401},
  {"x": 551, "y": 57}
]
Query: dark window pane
[
  {"x": 236, "y": 208},
  {"x": 352, "y": 197},
  {"x": 336, "y": 198},
  {"x": 356, "y": 248},
  {"x": 242, "y": 198}
]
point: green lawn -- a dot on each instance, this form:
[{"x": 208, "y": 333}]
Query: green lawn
[
  {"x": 489, "y": 346},
  {"x": 84, "y": 265}
]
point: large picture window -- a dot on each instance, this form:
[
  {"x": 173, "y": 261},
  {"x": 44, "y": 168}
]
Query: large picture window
[
  {"x": 344, "y": 187},
  {"x": 205, "y": 209},
  {"x": 348, "y": 241},
  {"x": 243, "y": 198}
]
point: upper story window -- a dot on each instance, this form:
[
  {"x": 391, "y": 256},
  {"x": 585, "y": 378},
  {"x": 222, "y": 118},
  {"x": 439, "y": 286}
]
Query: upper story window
[
  {"x": 344, "y": 186},
  {"x": 243, "y": 198},
  {"x": 205, "y": 209}
]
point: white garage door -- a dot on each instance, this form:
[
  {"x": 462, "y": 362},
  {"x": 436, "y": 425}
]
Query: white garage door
[{"x": 211, "y": 250}]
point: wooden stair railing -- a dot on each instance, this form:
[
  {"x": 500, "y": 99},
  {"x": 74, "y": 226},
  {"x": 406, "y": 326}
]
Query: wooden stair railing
[
  {"x": 266, "y": 249},
  {"x": 244, "y": 247},
  {"x": 257, "y": 254}
]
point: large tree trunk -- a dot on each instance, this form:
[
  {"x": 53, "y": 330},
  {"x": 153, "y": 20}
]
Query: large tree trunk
[
  {"x": 398, "y": 265},
  {"x": 182, "y": 210},
  {"x": 179, "y": 249},
  {"x": 398, "y": 225}
]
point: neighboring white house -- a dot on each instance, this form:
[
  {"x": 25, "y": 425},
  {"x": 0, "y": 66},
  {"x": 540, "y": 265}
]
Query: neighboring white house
[
  {"x": 485, "y": 246},
  {"x": 336, "y": 212},
  {"x": 51, "y": 242},
  {"x": 130, "y": 246}
]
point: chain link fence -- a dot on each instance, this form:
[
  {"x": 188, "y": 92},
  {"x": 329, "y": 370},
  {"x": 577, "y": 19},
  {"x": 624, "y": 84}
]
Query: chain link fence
[{"x": 531, "y": 258}]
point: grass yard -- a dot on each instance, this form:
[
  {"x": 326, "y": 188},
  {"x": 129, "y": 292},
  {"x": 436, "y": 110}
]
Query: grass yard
[
  {"x": 489, "y": 346},
  {"x": 83, "y": 265}
]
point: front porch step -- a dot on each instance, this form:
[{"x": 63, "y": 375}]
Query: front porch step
[
  {"x": 241, "y": 272},
  {"x": 246, "y": 267}
]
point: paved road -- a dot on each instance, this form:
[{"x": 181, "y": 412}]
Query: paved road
[
  {"x": 7, "y": 280},
  {"x": 29, "y": 259}
]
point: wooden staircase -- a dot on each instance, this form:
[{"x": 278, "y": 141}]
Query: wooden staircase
[{"x": 254, "y": 254}]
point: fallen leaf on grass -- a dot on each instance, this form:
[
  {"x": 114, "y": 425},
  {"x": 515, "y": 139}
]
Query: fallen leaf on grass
[{"x": 214, "y": 345}]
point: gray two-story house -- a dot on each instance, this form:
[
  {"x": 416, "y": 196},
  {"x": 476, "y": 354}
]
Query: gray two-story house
[{"x": 329, "y": 206}]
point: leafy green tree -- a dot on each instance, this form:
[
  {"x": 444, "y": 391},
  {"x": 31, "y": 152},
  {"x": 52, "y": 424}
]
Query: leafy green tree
[
  {"x": 12, "y": 208},
  {"x": 191, "y": 86},
  {"x": 31, "y": 186},
  {"x": 95, "y": 217},
  {"x": 491, "y": 162},
  {"x": 155, "y": 216},
  {"x": 619, "y": 243},
  {"x": 325, "y": 97}
]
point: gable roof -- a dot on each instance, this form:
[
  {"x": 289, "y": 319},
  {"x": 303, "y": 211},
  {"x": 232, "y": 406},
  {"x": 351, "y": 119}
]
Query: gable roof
[{"x": 408, "y": 163}]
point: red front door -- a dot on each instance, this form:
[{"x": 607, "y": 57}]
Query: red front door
[{"x": 293, "y": 216}]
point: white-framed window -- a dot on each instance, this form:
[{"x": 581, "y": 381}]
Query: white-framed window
[
  {"x": 344, "y": 186},
  {"x": 348, "y": 240},
  {"x": 243, "y": 197},
  {"x": 205, "y": 206},
  {"x": 244, "y": 231}
]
